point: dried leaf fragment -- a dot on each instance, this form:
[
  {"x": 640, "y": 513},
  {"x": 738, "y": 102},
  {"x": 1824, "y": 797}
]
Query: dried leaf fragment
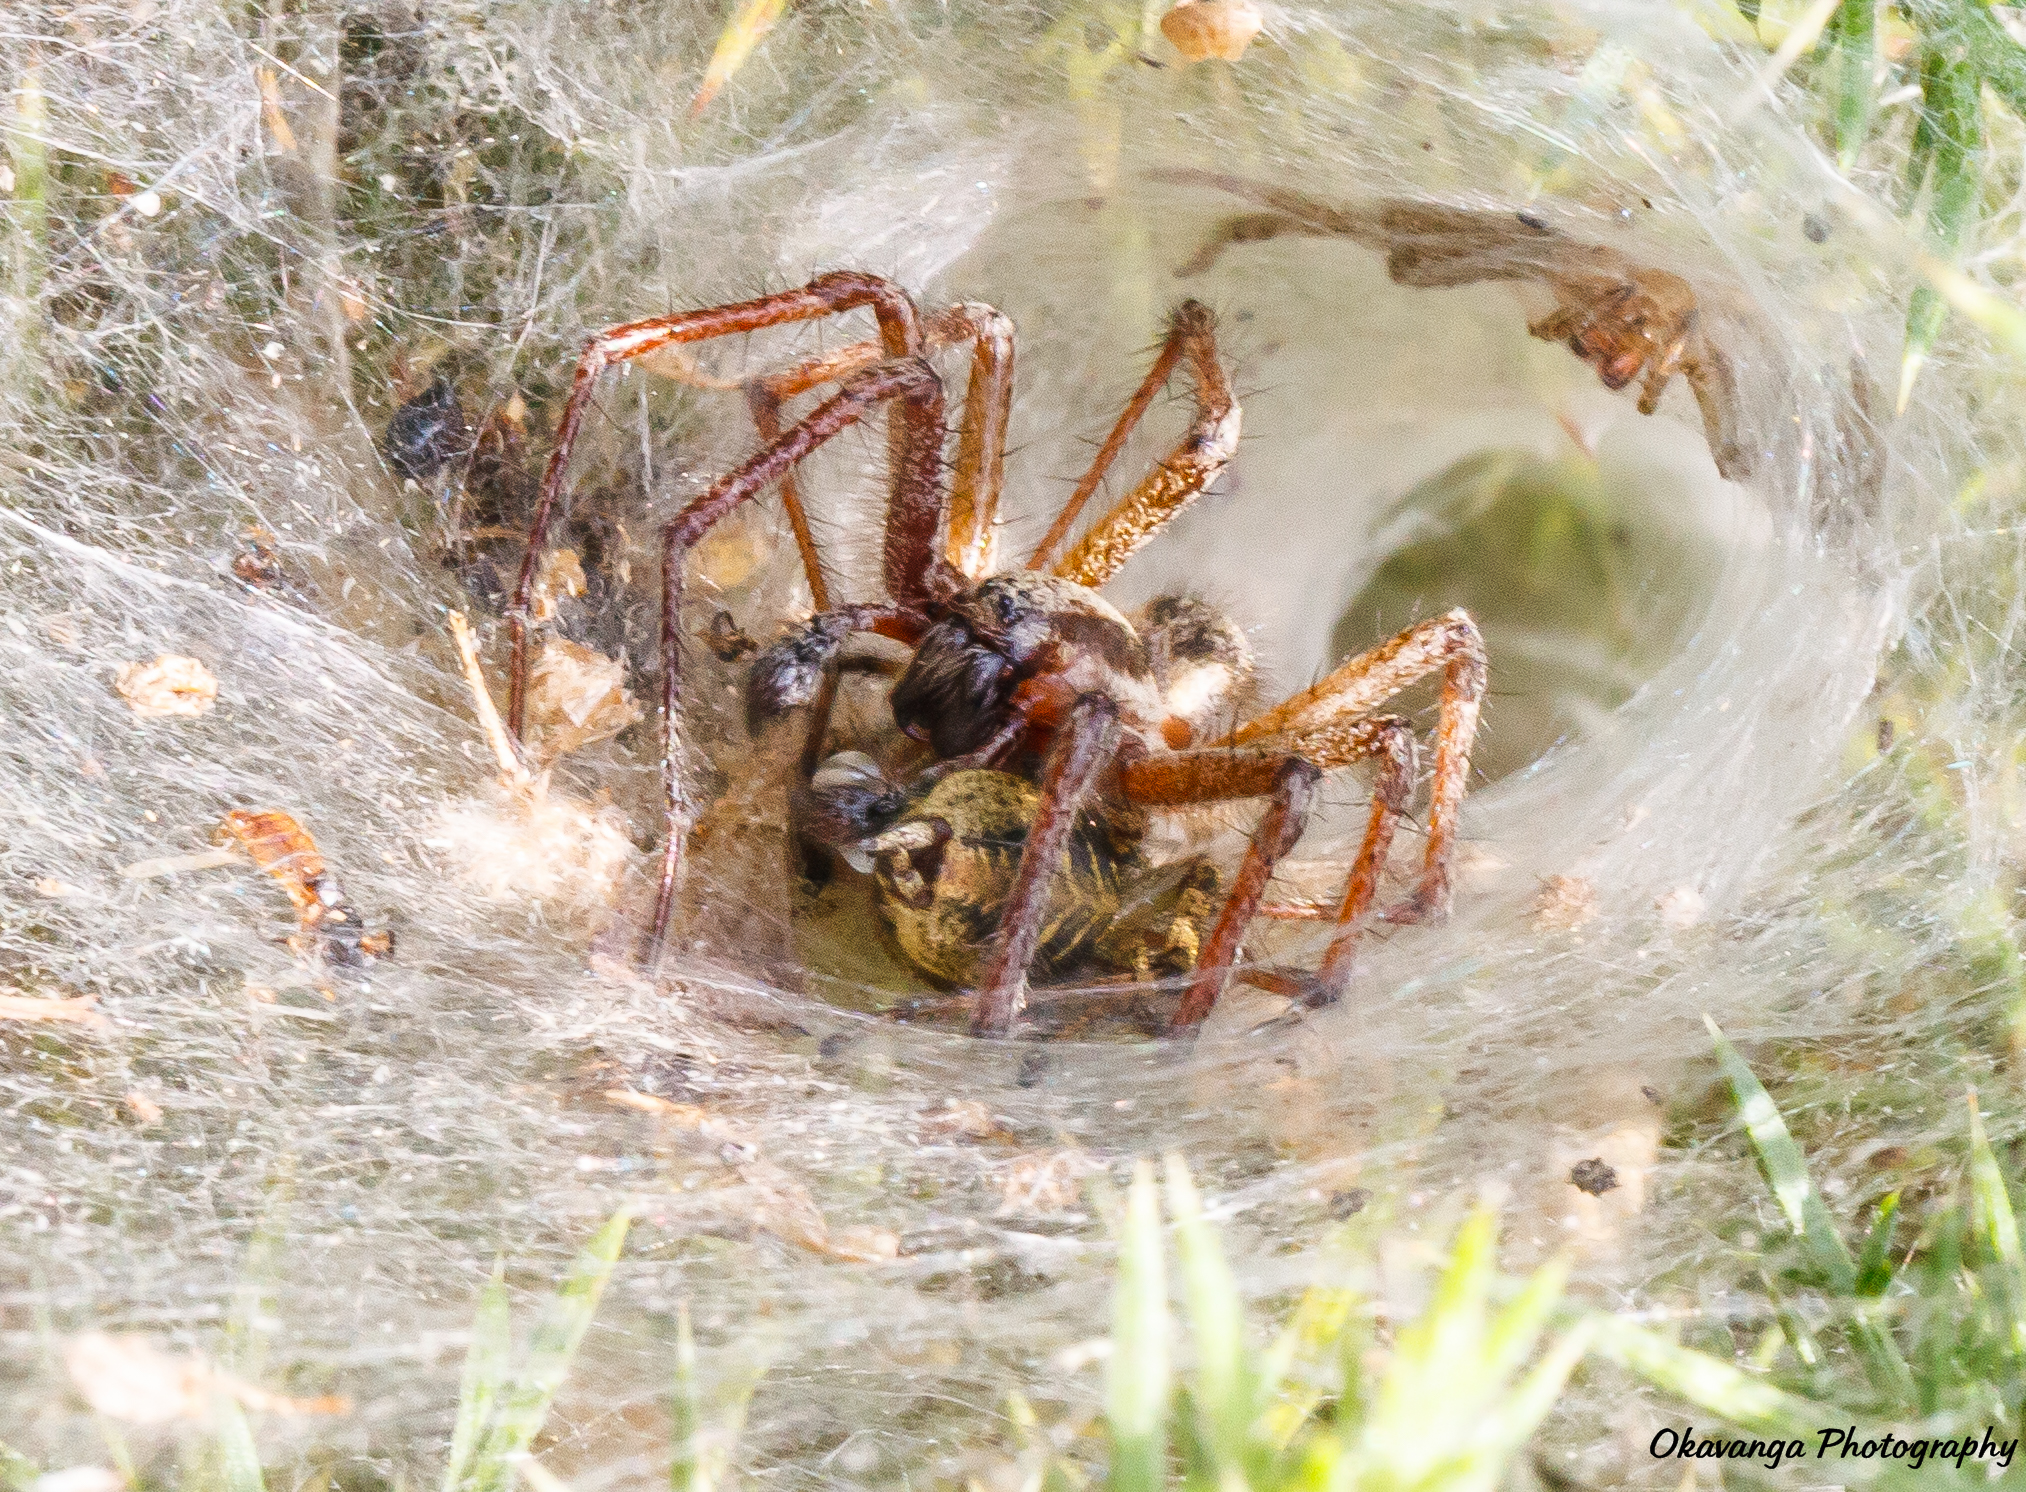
[
  {"x": 128, "y": 1378},
  {"x": 1051, "y": 1182},
  {"x": 144, "y": 1108},
  {"x": 171, "y": 685},
  {"x": 1682, "y": 907},
  {"x": 1564, "y": 903},
  {"x": 577, "y": 697},
  {"x": 533, "y": 843},
  {"x": 1200, "y": 29},
  {"x": 79, "y": 1010},
  {"x": 559, "y": 577},
  {"x": 966, "y": 1118},
  {"x": 768, "y": 1197}
]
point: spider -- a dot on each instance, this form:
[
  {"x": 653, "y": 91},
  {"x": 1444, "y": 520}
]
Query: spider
[
  {"x": 1628, "y": 320},
  {"x": 1030, "y": 669}
]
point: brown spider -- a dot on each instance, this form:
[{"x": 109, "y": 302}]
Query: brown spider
[
  {"x": 1030, "y": 664},
  {"x": 1630, "y": 321}
]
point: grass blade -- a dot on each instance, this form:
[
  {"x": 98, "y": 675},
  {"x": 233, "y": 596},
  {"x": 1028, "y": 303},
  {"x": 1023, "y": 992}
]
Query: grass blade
[
  {"x": 565, "y": 1319},
  {"x": 687, "y": 1472},
  {"x": 1874, "y": 1265},
  {"x": 1785, "y": 1170},
  {"x": 17, "y": 1472},
  {"x": 742, "y": 35},
  {"x": 1136, "y": 1387},
  {"x": 1954, "y": 115},
  {"x": 485, "y": 1376},
  {"x": 1856, "y": 59},
  {"x": 1993, "y": 1225},
  {"x": 1222, "y": 1392},
  {"x": 238, "y": 1459},
  {"x": 1787, "y": 1173},
  {"x": 1704, "y": 1381}
]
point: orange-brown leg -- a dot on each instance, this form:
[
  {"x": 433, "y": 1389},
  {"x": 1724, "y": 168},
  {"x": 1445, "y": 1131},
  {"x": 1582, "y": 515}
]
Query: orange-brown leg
[
  {"x": 1288, "y": 780},
  {"x": 1082, "y": 750},
  {"x": 908, "y": 564},
  {"x": 1173, "y": 484},
  {"x": 979, "y": 474},
  {"x": 1451, "y": 643},
  {"x": 919, "y": 395}
]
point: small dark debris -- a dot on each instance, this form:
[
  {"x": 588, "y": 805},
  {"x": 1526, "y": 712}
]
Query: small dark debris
[
  {"x": 1533, "y": 220},
  {"x": 1886, "y": 735},
  {"x": 1033, "y": 1068},
  {"x": 1814, "y": 229},
  {"x": 727, "y": 641},
  {"x": 1651, "y": 1094},
  {"x": 427, "y": 433},
  {"x": 1593, "y": 1176},
  {"x": 1348, "y": 1204},
  {"x": 833, "y": 1044}
]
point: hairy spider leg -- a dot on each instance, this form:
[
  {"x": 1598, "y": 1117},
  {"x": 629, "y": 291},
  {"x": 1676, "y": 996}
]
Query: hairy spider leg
[
  {"x": 1288, "y": 778},
  {"x": 1450, "y": 642},
  {"x": 1175, "y": 481},
  {"x": 1181, "y": 778},
  {"x": 900, "y": 336},
  {"x": 978, "y": 478},
  {"x": 919, "y": 392},
  {"x": 1082, "y": 750}
]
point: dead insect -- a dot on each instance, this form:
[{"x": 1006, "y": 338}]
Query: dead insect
[
  {"x": 728, "y": 643},
  {"x": 1628, "y": 320},
  {"x": 279, "y": 845},
  {"x": 946, "y": 863},
  {"x": 1032, "y": 665}
]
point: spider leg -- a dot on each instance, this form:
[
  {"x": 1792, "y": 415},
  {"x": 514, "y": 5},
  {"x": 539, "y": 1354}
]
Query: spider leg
[
  {"x": 1709, "y": 375},
  {"x": 900, "y": 336},
  {"x": 1174, "y": 483},
  {"x": 1081, "y": 752},
  {"x": 1289, "y": 778},
  {"x": 1246, "y": 227},
  {"x": 1451, "y": 643},
  {"x": 1176, "y": 779},
  {"x": 913, "y": 383},
  {"x": 979, "y": 474}
]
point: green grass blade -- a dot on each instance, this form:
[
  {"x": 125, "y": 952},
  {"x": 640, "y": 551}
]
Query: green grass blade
[
  {"x": 1874, "y": 1262},
  {"x": 1136, "y": 1387},
  {"x": 485, "y": 1376},
  {"x": 238, "y": 1462},
  {"x": 1707, "y": 1382},
  {"x": 1515, "y": 1416},
  {"x": 17, "y": 1472},
  {"x": 1856, "y": 60},
  {"x": 1994, "y": 1227},
  {"x": 1222, "y": 1391},
  {"x": 687, "y": 1472},
  {"x": 1785, "y": 1170},
  {"x": 564, "y": 1320},
  {"x": 1518, "y": 1327},
  {"x": 1953, "y": 117}
]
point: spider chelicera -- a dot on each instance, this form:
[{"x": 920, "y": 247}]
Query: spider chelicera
[{"x": 1030, "y": 670}]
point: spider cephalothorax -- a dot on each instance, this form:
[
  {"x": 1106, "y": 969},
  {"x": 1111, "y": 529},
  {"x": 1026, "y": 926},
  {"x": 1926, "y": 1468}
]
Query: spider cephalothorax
[{"x": 1056, "y": 723}]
